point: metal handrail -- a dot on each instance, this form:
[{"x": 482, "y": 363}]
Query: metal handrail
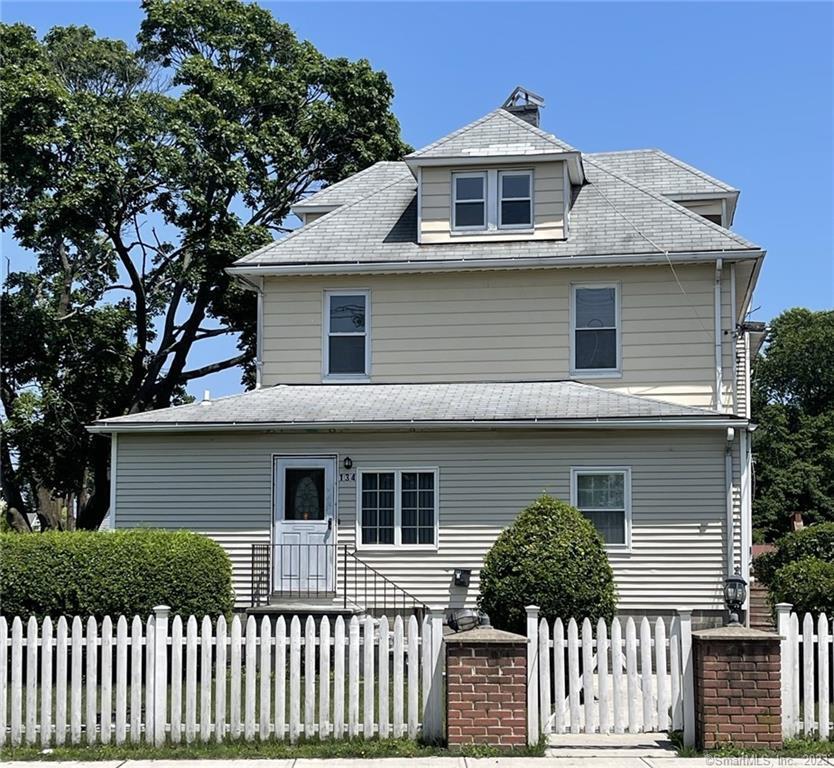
[
  {"x": 370, "y": 589},
  {"x": 400, "y": 599}
]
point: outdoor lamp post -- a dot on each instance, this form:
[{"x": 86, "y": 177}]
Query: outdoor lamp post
[{"x": 735, "y": 593}]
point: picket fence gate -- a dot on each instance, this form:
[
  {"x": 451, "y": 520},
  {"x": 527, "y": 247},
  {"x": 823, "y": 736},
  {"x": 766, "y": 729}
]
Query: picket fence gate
[
  {"x": 807, "y": 668},
  {"x": 83, "y": 683},
  {"x": 610, "y": 681}
]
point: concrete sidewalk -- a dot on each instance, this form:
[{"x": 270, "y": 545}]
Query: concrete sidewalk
[{"x": 453, "y": 762}]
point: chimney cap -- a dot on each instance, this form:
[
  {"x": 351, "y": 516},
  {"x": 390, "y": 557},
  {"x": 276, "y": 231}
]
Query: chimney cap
[
  {"x": 523, "y": 103},
  {"x": 522, "y": 97}
]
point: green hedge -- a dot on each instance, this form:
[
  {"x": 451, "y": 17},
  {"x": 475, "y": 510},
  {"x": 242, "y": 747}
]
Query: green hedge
[
  {"x": 112, "y": 573},
  {"x": 808, "y": 584},
  {"x": 814, "y": 541},
  {"x": 553, "y": 557}
]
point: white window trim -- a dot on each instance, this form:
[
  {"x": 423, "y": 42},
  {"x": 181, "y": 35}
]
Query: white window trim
[
  {"x": 398, "y": 471},
  {"x": 325, "y": 336},
  {"x": 597, "y": 470},
  {"x": 527, "y": 226},
  {"x": 485, "y": 200},
  {"x": 597, "y": 373}
]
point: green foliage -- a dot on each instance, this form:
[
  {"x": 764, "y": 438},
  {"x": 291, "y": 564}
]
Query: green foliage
[
  {"x": 812, "y": 541},
  {"x": 121, "y": 572},
  {"x": 136, "y": 177},
  {"x": 807, "y": 584},
  {"x": 793, "y": 405},
  {"x": 553, "y": 557}
]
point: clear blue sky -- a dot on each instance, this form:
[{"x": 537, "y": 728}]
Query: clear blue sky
[{"x": 744, "y": 91}]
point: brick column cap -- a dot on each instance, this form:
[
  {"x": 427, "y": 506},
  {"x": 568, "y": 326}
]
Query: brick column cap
[
  {"x": 740, "y": 634},
  {"x": 484, "y": 636}
]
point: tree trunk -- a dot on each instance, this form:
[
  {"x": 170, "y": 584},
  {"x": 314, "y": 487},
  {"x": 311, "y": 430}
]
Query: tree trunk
[
  {"x": 91, "y": 514},
  {"x": 17, "y": 521}
]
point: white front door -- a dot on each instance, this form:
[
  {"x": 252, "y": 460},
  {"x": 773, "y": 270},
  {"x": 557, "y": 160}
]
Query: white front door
[{"x": 304, "y": 536}]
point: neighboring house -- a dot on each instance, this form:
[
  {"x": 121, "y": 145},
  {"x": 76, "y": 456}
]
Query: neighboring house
[{"x": 497, "y": 315}]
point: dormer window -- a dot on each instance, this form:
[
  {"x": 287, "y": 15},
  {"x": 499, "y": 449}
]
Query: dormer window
[
  {"x": 469, "y": 201},
  {"x": 515, "y": 207}
]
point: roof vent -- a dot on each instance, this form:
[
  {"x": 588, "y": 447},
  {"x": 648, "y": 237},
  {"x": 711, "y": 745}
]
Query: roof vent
[{"x": 525, "y": 104}]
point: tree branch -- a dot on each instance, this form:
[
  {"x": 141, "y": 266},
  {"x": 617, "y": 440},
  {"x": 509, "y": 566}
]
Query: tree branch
[{"x": 214, "y": 367}]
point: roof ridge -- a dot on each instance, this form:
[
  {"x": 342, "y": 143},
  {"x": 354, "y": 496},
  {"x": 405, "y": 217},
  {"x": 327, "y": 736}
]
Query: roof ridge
[
  {"x": 693, "y": 170},
  {"x": 540, "y": 132},
  {"x": 327, "y": 217},
  {"x": 352, "y": 177},
  {"x": 672, "y": 204},
  {"x": 453, "y": 134}
]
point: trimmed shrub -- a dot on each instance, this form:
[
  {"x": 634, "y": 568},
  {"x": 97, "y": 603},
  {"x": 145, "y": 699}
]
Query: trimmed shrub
[
  {"x": 808, "y": 584},
  {"x": 111, "y": 573},
  {"x": 553, "y": 557},
  {"x": 814, "y": 541}
]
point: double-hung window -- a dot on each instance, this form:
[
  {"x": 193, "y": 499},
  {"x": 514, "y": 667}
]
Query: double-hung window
[
  {"x": 469, "y": 192},
  {"x": 515, "y": 204},
  {"x": 346, "y": 348},
  {"x": 595, "y": 328},
  {"x": 397, "y": 508},
  {"x": 603, "y": 495}
]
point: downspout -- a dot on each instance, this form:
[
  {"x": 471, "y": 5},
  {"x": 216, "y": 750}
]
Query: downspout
[
  {"x": 728, "y": 481},
  {"x": 734, "y": 335},
  {"x": 719, "y": 265},
  {"x": 259, "y": 324},
  {"x": 745, "y": 457}
]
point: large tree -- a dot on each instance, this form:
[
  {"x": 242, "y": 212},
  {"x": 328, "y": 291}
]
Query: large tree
[
  {"x": 793, "y": 405},
  {"x": 136, "y": 177}
]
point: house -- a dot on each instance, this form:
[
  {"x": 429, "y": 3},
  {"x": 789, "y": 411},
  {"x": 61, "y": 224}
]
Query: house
[{"x": 446, "y": 337}]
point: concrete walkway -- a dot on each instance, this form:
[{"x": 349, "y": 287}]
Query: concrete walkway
[{"x": 565, "y": 761}]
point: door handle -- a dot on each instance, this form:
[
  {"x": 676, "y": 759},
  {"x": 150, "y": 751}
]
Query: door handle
[{"x": 329, "y": 524}]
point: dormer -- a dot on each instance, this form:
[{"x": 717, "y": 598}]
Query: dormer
[{"x": 499, "y": 178}]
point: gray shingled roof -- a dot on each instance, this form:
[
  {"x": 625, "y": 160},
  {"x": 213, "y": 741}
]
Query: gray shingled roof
[
  {"x": 658, "y": 172},
  {"x": 496, "y": 133},
  {"x": 379, "y": 404},
  {"x": 611, "y": 215},
  {"x": 360, "y": 184}
]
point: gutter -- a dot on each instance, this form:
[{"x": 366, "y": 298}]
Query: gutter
[
  {"x": 414, "y": 425},
  {"x": 528, "y": 262}
]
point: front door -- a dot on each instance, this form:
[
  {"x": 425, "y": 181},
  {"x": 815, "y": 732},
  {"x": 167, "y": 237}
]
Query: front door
[{"x": 303, "y": 551}]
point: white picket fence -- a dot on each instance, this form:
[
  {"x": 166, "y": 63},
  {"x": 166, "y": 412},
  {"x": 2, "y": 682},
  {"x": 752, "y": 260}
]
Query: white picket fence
[
  {"x": 807, "y": 665},
  {"x": 610, "y": 680},
  {"x": 199, "y": 682}
]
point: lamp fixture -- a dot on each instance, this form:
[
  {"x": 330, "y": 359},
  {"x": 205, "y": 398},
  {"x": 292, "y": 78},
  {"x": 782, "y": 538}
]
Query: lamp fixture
[
  {"x": 348, "y": 462},
  {"x": 735, "y": 593}
]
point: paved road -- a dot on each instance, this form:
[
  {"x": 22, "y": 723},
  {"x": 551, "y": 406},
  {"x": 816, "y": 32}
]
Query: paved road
[{"x": 565, "y": 761}]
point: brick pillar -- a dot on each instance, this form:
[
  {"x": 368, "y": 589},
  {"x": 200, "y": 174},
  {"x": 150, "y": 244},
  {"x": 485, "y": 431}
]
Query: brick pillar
[
  {"x": 486, "y": 688},
  {"x": 737, "y": 688}
]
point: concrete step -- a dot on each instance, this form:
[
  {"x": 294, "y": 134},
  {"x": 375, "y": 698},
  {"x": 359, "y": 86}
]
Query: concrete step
[{"x": 620, "y": 745}]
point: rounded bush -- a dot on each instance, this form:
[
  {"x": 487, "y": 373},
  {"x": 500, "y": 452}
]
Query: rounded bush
[
  {"x": 111, "y": 573},
  {"x": 553, "y": 557},
  {"x": 808, "y": 584},
  {"x": 814, "y": 541}
]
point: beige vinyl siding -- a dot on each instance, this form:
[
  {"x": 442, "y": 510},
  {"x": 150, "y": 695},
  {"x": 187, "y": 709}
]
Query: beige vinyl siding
[
  {"x": 221, "y": 484},
  {"x": 548, "y": 205},
  {"x": 703, "y": 207},
  {"x": 743, "y": 375},
  {"x": 510, "y": 325}
]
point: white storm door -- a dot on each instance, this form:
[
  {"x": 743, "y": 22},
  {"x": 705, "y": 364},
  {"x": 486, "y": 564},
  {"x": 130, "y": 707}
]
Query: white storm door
[{"x": 304, "y": 536}]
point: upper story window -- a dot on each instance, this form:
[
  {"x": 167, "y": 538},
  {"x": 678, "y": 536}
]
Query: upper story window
[
  {"x": 595, "y": 320},
  {"x": 469, "y": 194},
  {"x": 603, "y": 495},
  {"x": 515, "y": 206},
  {"x": 346, "y": 343}
]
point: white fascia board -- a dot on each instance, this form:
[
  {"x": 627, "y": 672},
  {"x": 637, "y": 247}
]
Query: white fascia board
[
  {"x": 731, "y": 196},
  {"x": 300, "y": 208},
  {"x": 696, "y": 422},
  {"x": 573, "y": 159},
  {"x": 522, "y": 262}
]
